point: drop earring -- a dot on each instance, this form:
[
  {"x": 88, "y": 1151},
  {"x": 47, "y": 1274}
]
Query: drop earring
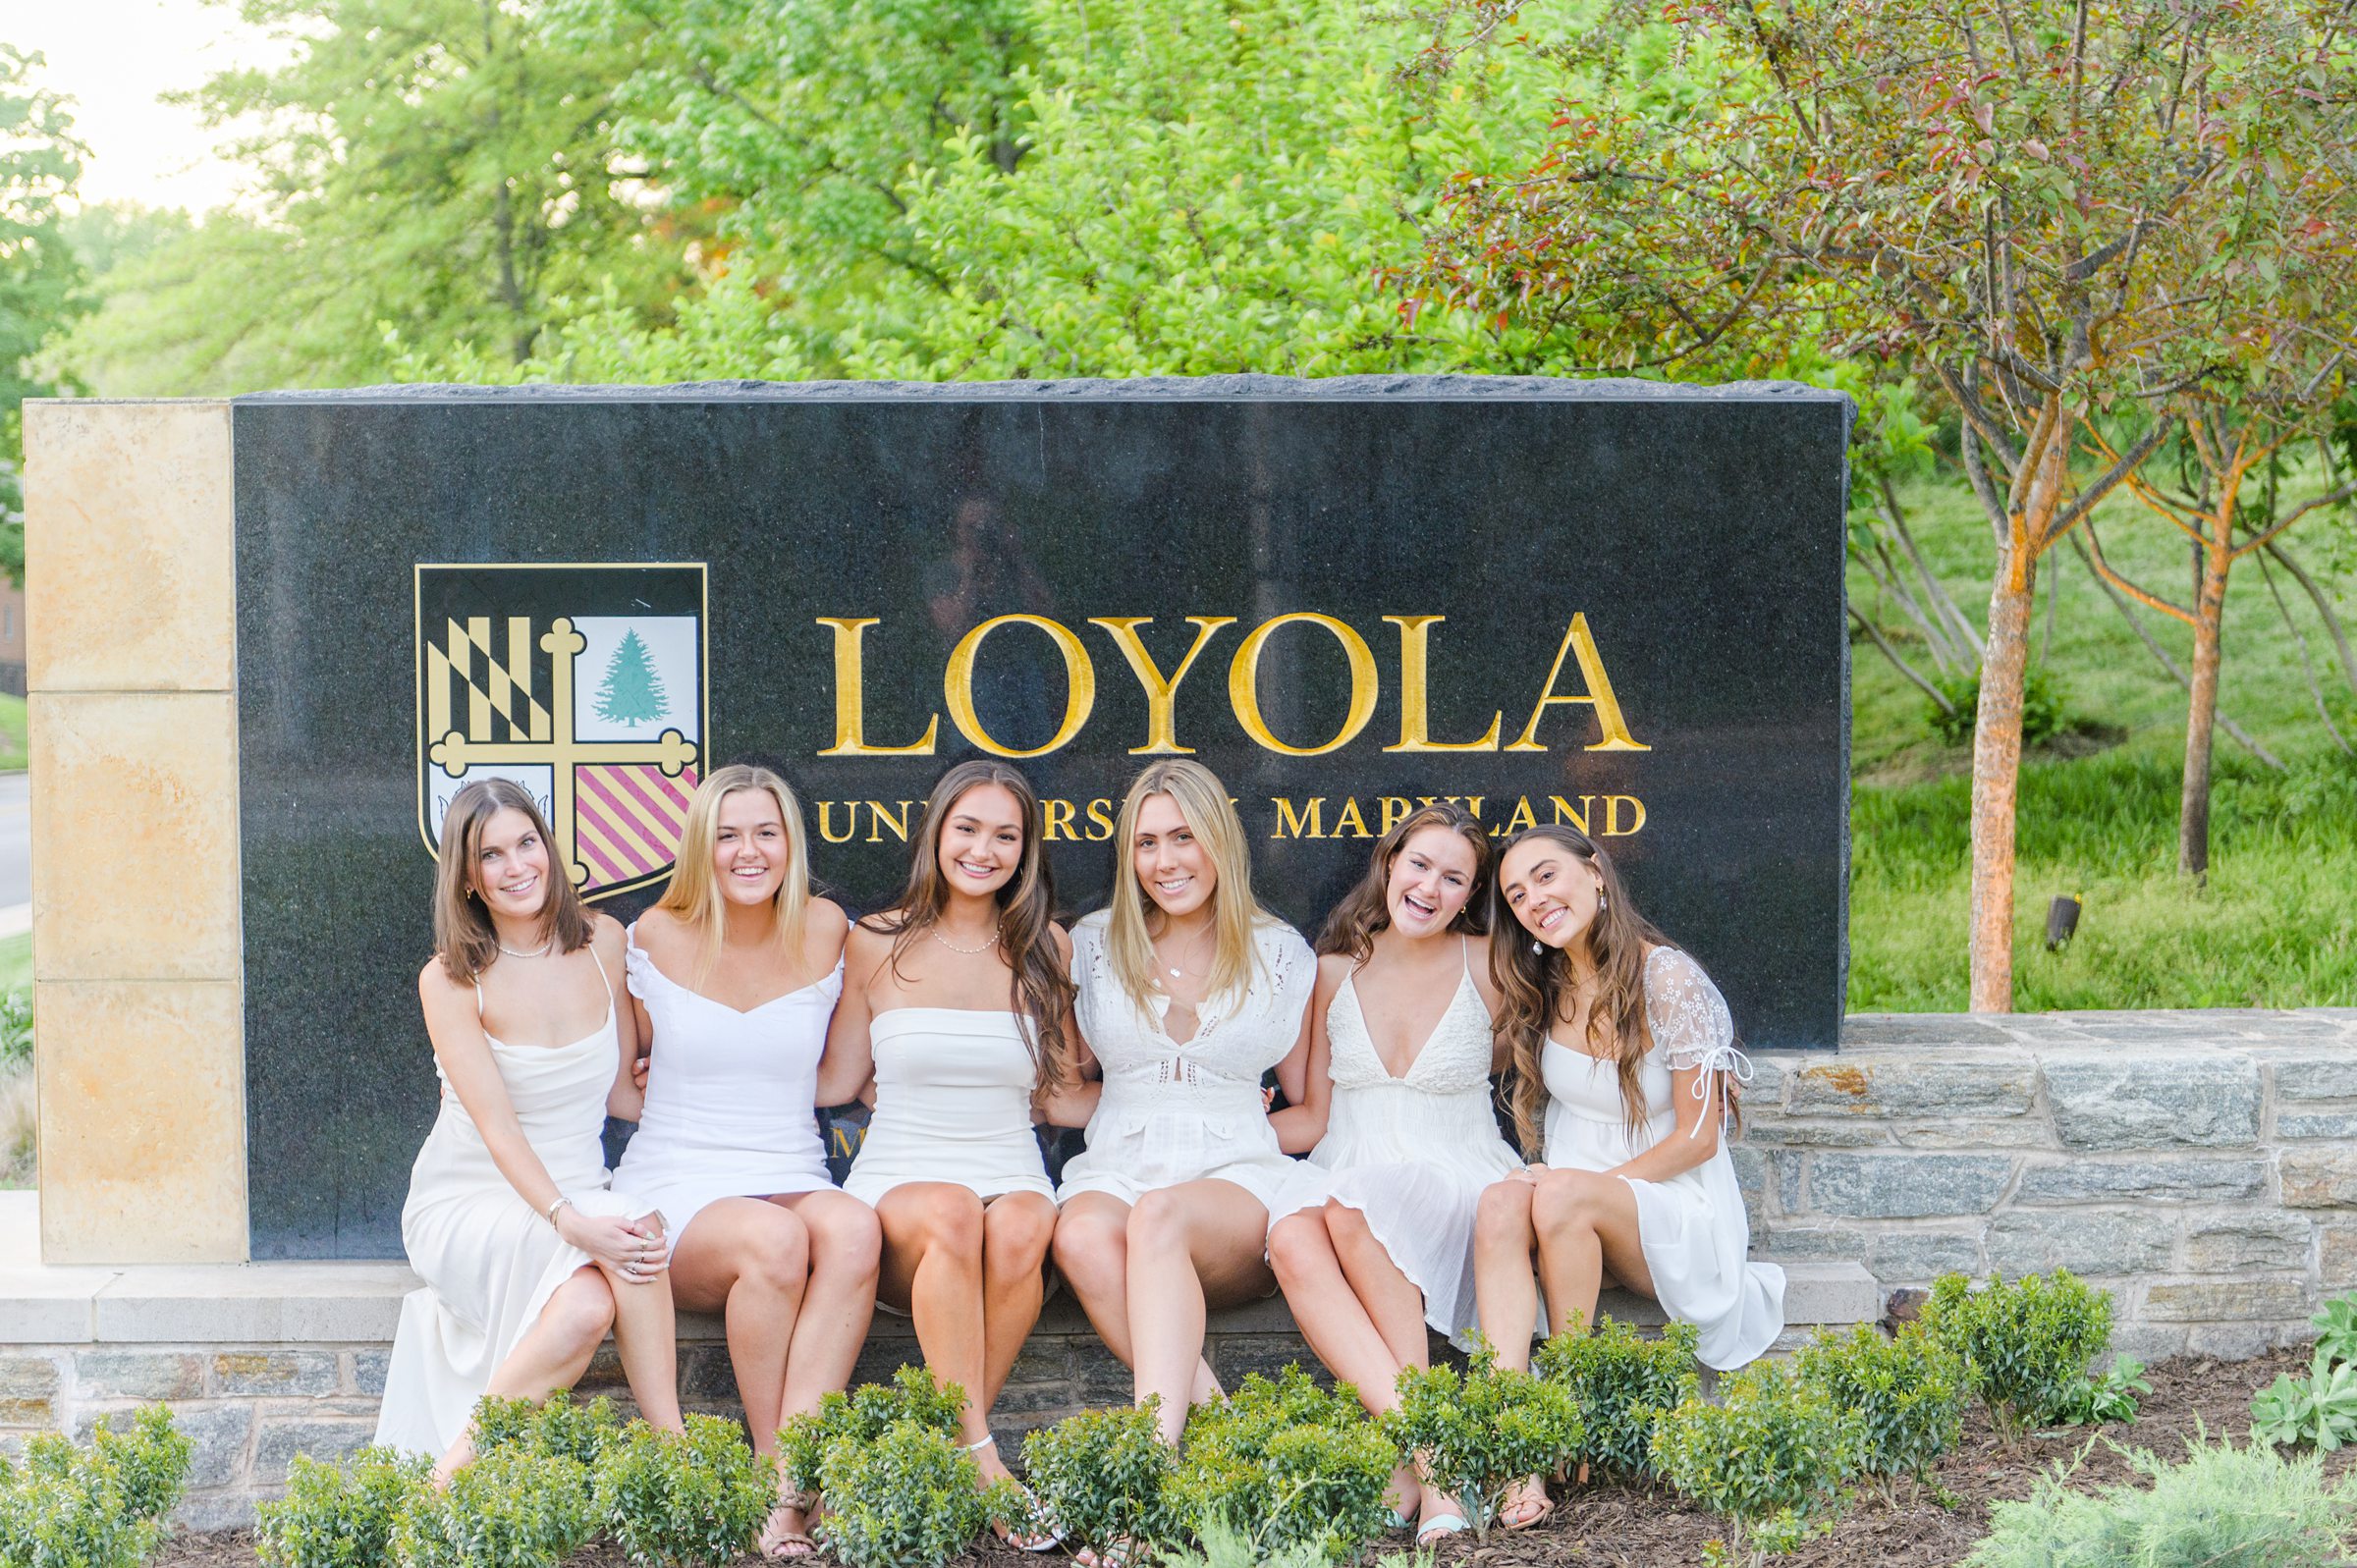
[
  {"x": 1537, "y": 946},
  {"x": 1600, "y": 901}
]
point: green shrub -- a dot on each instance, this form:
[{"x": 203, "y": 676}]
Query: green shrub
[
  {"x": 861, "y": 1416},
  {"x": 2221, "y": 1508},
  {"x": 1622, "y": 1382},
  {"x": 2320, "y": 1409},
  {"x": 673, "y": 1499},
  {"x": 15, "y": 1030},
  {"x": 910, "y": 1496},
  {"x": 1225, "y": 1546},
  {"x": 2026, "y": 1345},
  {"x": 556, "y": 1427},
  {"x": 149, "y": 1462},
  {"x": 1766, "y": 1459},
  {"x": 1288, "y": 1464},
  {"x": 1480, "y": 1432},
  {"x": 63, "y": 1509},
  {"x": 338, "y": 1517},
  {"x": 2108, "y": 1395},
  {"x": 1103, "y": 1476},
  {"x": 2337, "y": 1329},
  {"x": 1904, "y": 1395},
  {"x": 512, "y": 1509},
  {"x": 2044, "y": 709}
]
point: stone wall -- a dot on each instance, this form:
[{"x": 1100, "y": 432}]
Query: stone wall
[{"x": 2198, "y": 1164}]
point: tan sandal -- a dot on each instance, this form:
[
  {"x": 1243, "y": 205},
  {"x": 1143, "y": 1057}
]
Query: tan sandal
[{"x": 1543, "y": 1506}]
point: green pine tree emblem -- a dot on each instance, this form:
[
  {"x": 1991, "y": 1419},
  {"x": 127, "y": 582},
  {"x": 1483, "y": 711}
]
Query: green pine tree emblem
[{"x": 632, "y": 693}]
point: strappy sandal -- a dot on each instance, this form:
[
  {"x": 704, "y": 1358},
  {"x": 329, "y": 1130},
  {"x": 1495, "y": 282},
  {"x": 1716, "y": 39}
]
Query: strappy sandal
[
  {"x": 779, "y": 1546},
  {"x": 1041, "y": 1531},
  {"x": 1521, "y": 1497}
]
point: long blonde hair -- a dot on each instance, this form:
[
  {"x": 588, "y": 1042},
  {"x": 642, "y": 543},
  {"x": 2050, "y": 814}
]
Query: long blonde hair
[
  {"x": 464, "y": 936},
  {"x": 694, "y": 899},
  {"x": 1203, "y": 802}
]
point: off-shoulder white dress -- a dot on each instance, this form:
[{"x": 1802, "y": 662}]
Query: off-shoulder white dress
[
  {"x": 1175, "y": 1112},
  {"x": 1691, "y": 1226}
]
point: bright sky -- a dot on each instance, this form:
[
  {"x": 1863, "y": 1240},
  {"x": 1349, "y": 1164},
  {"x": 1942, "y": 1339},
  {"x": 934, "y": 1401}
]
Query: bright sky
[{"x": 113, "y": 56}]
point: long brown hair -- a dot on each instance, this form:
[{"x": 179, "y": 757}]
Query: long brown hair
[
  {"x": 1042, "y": 989},
  {"x": 1367, "y": 908},
  {"x": 1531, "y": 986},
  {"x": 463, "y": 937}
]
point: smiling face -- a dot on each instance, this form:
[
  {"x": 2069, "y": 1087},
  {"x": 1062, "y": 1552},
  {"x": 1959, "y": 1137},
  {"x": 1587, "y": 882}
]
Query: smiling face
[
  {"x": 1552, "y": 892},
  {"x": 1171, "y": 862},
  {"x": 981, "y": 840},
  {"x": 750, "y": 852},
  {"x": 1432, "y": 876},
  {"x": 511, "y": 873}
]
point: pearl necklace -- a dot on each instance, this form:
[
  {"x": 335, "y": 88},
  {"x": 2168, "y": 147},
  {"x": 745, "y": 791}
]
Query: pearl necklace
[
  {"x": 968, "y": 951},
  {"x": 544, "y": 950}
]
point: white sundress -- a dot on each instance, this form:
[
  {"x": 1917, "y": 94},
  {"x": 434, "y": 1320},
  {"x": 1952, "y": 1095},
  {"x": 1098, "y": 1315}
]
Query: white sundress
[
  {"x": 729, "y": 1096},
  {"x": 1175, "y": 1112},
  {"x": 489, "y": 1261},
  {"x": 1412, "y": 1153},
  {"x": 953, "y": 1090},
  {"x": 1691, "y": 1226}
]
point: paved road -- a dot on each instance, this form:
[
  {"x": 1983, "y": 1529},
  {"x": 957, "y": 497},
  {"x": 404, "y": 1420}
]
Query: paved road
[{"x": 16, "y": 851}]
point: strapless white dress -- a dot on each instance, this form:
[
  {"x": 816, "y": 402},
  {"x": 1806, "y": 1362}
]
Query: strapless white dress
[
  {"x": 954, "y": 1092},
  {"x": 1412, "y": 1153},
  {"x": 729, "y": 1096},
  {"x": 489, "y": 1263},
  {"x": 1692, "y": 1226}
]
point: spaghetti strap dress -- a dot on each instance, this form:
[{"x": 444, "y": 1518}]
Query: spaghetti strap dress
[
  {"x": 1691, "y": 1226},
  {"x": 954, "y": 1092},
  {"x": 489, "y": 1261},
  {"x": 729, "y": 1096},
  {"x": 1174, "y": 1112},
  {"x": 1413, "y": 1152}
]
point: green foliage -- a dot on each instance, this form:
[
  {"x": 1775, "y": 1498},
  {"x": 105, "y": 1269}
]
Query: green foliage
[
  {"x": 2318, "y": 1410},
  {"x": 861, "y": 1416},
  {"x": 15, "y": 1030},
  {"x": 1768, "y": 1458},
  {"x": 40, "y": 276},
  {"x": 2336, "y": 1327},
  {"x": 556, "y": 1426},
  {"x": 512, "y": 1509},
  {"x": 1622, "y": 1382},
  {"x": 2044, "y": 710},
  {"x": 59, "y": 1512},
  {"x": 1481, "y": 1430},
  {"x": 2109, "y": 1394},
  {"x": 1904, "y": 1394},
  {"x": 1225, "y": 1546},
  {"x": 683, "y": 1499},
  {"x": 908, "y": 1497},
  {"x": 1288, "y": 1463},
  {"x": 2221, "y": 1507},
  {"x": 2026, "y": 1345},
  {"x": 148, "y": 1464},
  {"x": 1103, "y": 1476},
  {"x": 338, "y": 1516}
]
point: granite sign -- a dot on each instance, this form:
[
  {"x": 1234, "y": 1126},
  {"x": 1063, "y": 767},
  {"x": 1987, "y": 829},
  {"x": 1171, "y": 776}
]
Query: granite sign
[{"x": 1609, "y": 603}]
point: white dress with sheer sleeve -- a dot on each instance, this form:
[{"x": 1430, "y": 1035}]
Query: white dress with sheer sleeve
[
  {"x": 1691, "y": 1226},
  {"x": 1175, "y": 1112}
]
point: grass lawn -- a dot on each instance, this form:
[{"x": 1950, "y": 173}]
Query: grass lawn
[
  {"x": 2276, "y": 923},
  {"x": 16, "y": 962},
  {"x": 11, "y": 733}
]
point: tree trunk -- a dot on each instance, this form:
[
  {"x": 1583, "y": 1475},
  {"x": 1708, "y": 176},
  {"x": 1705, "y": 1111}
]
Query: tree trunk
[
  {"x": 1997, "y": 778},
  {"x": 2201, "y": 715}
]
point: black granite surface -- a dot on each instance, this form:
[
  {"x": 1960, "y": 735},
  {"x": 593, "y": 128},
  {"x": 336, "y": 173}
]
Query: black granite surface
[{"x": 1698, "y": 530}]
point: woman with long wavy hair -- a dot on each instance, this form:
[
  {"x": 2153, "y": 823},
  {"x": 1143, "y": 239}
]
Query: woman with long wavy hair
[
  {"x": 1189, "y": 992},
  {"x": 957, "y": 1007},
  {"x": 733, "y": 976},
  {"x": 1623, "y": 1054}
]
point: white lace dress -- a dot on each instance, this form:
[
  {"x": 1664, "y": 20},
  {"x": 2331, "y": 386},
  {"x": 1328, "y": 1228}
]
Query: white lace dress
[
  {"x": 1176, "y": 1111},
  {"x": 1691, "y": 1226},
  {"x": 1412, "y": 1153}
]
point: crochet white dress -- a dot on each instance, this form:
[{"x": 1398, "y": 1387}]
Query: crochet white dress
[
  {"x": 1175, "y": 1112},
  {"x": 1691, "y": 1226}
]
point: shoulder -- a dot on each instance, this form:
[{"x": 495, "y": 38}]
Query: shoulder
[
  {"x": 826, "y": 916},
  {"x": 1477, "y": 964},
  {"x": 1674, "y": 971},
  {"x": 657, "y": 932},
  {"x": 1063, "y": 939},
  {"x": 1093, "y": 925},
  {"x": 1278, "y": 938},
  {"x": 868, "y": 935},
  {"x": 434, "y": 983},
  {"x": 605, "y": 933}
]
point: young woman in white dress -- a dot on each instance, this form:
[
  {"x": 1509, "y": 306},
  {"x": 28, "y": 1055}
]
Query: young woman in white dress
[
  {"x": 1622, "y": 1049},
  {"x": 1189, "y": 992},
  {"x": 1379, "y": 1238},
  {"x": 732, "y": 978},
  {"x": 957, "y": 1003},
  {"x": 527, "y": 1258}
]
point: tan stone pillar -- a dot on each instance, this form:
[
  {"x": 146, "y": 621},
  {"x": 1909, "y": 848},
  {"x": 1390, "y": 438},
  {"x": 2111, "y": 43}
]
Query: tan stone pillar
[{"x": 131, "y": 610}]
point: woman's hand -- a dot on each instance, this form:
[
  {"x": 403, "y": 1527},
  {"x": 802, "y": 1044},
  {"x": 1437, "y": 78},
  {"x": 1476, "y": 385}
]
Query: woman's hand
[{"x": 631, "y": 1249}]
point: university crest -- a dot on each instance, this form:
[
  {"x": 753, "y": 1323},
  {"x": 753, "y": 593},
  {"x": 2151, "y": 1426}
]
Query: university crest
[{"x": 586, "y": 684}]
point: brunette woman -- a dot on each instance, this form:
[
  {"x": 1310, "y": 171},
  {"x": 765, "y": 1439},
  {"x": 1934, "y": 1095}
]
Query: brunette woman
[
  {"x": 958, "y": 1000},
  {"x": 1189, "y": 992},
  {"x": 733, "y": 977},
  {"x": 527, "y": 1258},
  {"x": 1622, "y": 1049},
  {"x": 1379, "y": 1238}
]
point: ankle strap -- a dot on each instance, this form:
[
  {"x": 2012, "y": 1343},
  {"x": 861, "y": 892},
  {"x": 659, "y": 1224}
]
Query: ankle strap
[{"x": 988, "y": 1438}]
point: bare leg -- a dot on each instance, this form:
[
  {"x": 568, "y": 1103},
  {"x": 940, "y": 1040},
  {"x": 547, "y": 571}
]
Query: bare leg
[
  {"x": 1585, "y": 1223},
  {"x": 646, "y": 1336},
  {"x": 1189, "y": 1245},
  {"x": 1016, "y": 1231},
  {"x": 1504, "y": 1285},
  {"x": 1336, "y": 1324},
  {"x": 1093, "y": 1253},
  {"x": 750, "y": 1261},
  {"x": 552, "y": 1354},
  {"x": 933, "y": 1266},
  {"x": 838, "y": 1303}
]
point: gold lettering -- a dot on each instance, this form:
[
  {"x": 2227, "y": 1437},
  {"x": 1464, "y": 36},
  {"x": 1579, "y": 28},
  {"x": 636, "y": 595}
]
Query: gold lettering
[
  {"x": 826, "y": 821},
  {"x": 1243, "y": 684},
  {"x": 1080, "y": 682},
  {"x": 1612, "y": 816},
  {"x": 1394, "y": 808},
  {"x": 1576, "y": 816},
  {"x": 1292, "y": 824},
  {"x": 1521, "y": 819},
  {"x": 1060, "y": 821},
  {"x": 1350, "y": 818},
  {"x": 1415, "y": 693},
  {"x": 878, "y": 819},
  {"x": 1578, "y": 641},
  {"x": 1099, "y": 819},
  {"x": 1162, "y": 695},
  {"x": 851, "y": 701}
]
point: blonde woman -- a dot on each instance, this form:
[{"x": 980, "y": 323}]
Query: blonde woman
[
  {"x": 1189, "y": 992},
  {"x": 527, "y": 1258},
  {"x": 734, "y": 977}
]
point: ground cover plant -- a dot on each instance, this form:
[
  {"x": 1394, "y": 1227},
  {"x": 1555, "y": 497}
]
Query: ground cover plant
[
  {"x": 2219, "y": 1507},
  {"x": 2319, "y": 1407}
]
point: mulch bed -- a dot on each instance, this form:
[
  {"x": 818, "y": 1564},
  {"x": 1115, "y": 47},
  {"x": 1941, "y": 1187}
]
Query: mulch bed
[{"x": 1627, "y": 1528}]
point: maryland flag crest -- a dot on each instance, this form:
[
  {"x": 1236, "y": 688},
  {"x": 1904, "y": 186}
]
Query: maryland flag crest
[{"x": 586, "y": 684}]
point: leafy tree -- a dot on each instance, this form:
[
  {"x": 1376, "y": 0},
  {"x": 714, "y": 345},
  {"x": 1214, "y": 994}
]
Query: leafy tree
[
  {"x": 2033, "y": 205},
  {"x": 631, "y": 694},
  {"x": 40, "y": 278}
]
